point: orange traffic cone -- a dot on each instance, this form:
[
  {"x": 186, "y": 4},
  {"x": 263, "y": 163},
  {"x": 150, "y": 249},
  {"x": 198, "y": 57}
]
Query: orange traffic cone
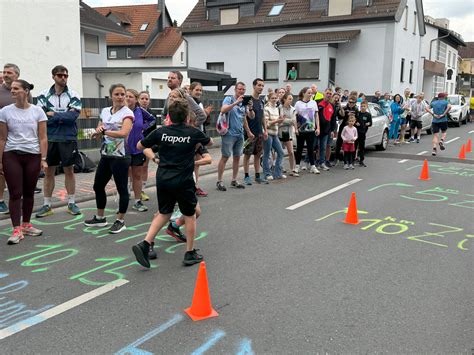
[
  {"x": 351, "y": 215},
  {"x": 469, "y": 146},
  {"x": 462, "y": 152},
  {"x": 424, "y": 172},
  {"x": 201, "y": 307}
]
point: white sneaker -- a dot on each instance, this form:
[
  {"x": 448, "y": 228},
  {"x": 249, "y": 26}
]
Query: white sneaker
[
  {"x": 303, "y": 168},
  {"x": 269, "y": 177},
  {"x": 294, "y": 173},
  {"x": 352, "y": 166},
  {"x": 283, "y": 176},
  {"x": 308, "y": 166},
  {"x": 346, "y": 166},
  {"x": 324, "y": 167},
  {"x": 297, "y": 170},
  {"x": 314, "y": 170}
]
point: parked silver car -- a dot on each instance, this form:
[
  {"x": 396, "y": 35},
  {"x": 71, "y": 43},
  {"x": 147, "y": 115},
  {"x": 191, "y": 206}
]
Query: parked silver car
[{"x": 459, "y": 112}]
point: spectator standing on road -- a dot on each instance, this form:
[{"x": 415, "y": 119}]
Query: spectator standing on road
[
  {"x": 254, "y": 134},
  {"x": 272, "y": 120},
  {"x": 292, "y": 74},
  {"x": 280, "y": 93},
  {"x": 349, "y": 136},
  {"x": 328, "y": 124},
  {"x": 23, "y": 148},
  {"x": 142, "y": 119},
  {"x": 439, "y": 109},
  {"x": 350, "y": 108},
  {"x": 144, "y": 102},
  {"x": 396, "y": 109},
  {"x": 405, "y": 116},
  {"x": 286, "y": 128},
  {"x": 308, "y": 128},
  {"x": 114, "y": 127},
  {"x": 377, "y": 97},
  {"x": 315, "y": 94},
  {"x": 417, "y": 109},
  {"x": 361, "y": 97},
  {"x": 471, "y": 108},
  {"x": 177, "y": 145},
  {"x": 288, "y": 88},
  {"x": 385, "y": 105},
  {"x": 363, "y": 122},
  {"x": 345, "y": 96},
  {"x": 62, "y": 107},
  {"x": 338, "y": 111},
  {"x": 232, "y": 141}
]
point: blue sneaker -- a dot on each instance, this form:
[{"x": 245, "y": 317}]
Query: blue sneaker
[
  {"x": 261, "y": 180},
  {"x": 73, "y": 209},
  {"x": 248, "y": 181},
  {"x": 3, "y": 208}
]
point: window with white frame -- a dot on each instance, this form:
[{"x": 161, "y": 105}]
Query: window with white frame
[
  {"x": 129, "y": 53},
  {"x": 91, "y": 43},
  {"x": 270, "y": 71},
  {"x": 229, "y": 16},
  {"x": 307, "y": 69},
  {"x": 215, "y": 66},
  {"x": 276, "y": 9},
  {"x": 449, "y": 58},
  {"x": 112, "y": 54}
]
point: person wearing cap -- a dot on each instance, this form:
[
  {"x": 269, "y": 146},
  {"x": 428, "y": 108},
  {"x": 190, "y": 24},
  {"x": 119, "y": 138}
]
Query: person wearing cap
[{"x": 439, "y": 110}]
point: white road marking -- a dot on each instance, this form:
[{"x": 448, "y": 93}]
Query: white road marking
[
  {"x": 321, "y": 195},
  {"x": 403, "y": 161},
  {"x": 470, "y": 132},
  {"x": 24, "y": 324},
  {"x": 423, "y": 152},
  {"x": 452, "y": 140}
]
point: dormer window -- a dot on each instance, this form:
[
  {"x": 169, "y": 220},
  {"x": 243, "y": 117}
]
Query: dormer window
[
  {"x": 230, "y": 16},
  {"x": 144, "y": 27},
  {"x": 276, "y": 10}
]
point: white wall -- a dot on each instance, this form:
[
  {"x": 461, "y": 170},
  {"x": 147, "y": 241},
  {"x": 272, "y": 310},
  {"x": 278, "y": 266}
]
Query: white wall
[
  {"x": 94, "y": 60},
  {"x": 25, "y": 27}
]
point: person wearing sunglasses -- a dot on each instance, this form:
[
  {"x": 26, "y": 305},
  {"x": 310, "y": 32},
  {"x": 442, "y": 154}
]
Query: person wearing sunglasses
[
  {"x": 350, "y": 108},
  {"x": 62, "y": 107}
]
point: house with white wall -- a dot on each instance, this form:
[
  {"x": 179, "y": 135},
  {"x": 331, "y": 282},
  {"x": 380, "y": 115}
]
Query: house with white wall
[{"x": 366, "y": 45}]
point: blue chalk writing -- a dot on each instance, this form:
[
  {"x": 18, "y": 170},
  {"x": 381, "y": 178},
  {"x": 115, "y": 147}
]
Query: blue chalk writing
[
  {"x": 209, "y": 343},
  {"x": 245, "y": 347}
]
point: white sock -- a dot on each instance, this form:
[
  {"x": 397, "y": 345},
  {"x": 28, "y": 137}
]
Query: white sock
[
  {"x": 71, "y": 199},
  {"x": 99, "y": 217},
  {"x": 47, "y": 201}
]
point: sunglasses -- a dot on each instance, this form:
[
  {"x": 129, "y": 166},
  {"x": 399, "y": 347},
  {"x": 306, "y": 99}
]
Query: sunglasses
[
  {"x": 352, "y": 102},
  {"x": 64, "y": 76}
]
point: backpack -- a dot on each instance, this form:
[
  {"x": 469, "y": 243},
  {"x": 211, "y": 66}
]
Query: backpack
[
  {"x": 222, "y": 123},
  {"x": 83, "y": 164}
]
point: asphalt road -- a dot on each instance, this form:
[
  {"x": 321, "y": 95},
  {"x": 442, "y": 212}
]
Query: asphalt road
[{"x": 284, "y": 281}]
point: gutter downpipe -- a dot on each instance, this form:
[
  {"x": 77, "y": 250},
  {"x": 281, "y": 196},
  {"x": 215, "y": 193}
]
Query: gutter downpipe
[{"x": 100, "y": 84}]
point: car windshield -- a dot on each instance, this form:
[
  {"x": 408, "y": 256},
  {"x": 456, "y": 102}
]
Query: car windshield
[{"x": 453, "y": 100}]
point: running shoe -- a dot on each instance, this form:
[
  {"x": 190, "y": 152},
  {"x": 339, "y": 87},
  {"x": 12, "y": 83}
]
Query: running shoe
[
  {"x": 441, "y": 145},
  {"x": 362, "y": 164},
  {"x": 38, "y": 190},
  {"x": 351, "y": 166},
  {"x": 303, "y": 167},
  {"x": 139, "y": 206},
  {"x": 44, "y": 211},
  {"x": 96, "y": 222},
  {"x": 269, "y": 178},
  {"x": 141, "y": 251},
  {"x": 29, "y": 230},
  {"x": 294, "y": 173},
  {"x": 117, "y": 227},
  {"x": 220, "y": 186},
  {"x": 411, "y": 140},
  {"x": 176, "y": 233},
  {"x": 433, "y": 153},
  {"x": 418, "y": 140},
  {"x": 282, "y": 176},
  {"x": 152, "y": 253},
  {"x": 3, "y": 208},
  {"x": 144, "y": 196},
  {"x": 261, "y": 180},
  {"x": 324, "y": 167},
  {"x": 192, "y": 257},
  {"x": 314, "y": 170},
  {"x": 248, "y": 181},
  {"x": 16, "y": 236},
  {"x": 73, "y": 209},
  {"x": 237, "y": 185},
  {"x": 346, "y": 166},
  {"x": 297, "y": 170},
  {"x": 201, "y": 193}
]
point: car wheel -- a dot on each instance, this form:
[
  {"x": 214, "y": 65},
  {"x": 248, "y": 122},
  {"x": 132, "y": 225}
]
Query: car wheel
[
  {"x": 457, "y": 123},
  {"x": 464, "y": 121},
  {"x": 384, "y": 143}
]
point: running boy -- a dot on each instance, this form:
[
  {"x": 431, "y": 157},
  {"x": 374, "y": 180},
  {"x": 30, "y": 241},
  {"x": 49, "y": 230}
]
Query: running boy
[
  {"x": 177, "y": 144},
  {"x": 439, "y": 110},
  {"x": 364, "y": 121}
]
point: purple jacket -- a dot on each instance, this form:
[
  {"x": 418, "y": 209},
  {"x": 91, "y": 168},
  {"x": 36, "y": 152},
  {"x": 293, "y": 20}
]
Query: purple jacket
[{"x": 143, "y": 119}]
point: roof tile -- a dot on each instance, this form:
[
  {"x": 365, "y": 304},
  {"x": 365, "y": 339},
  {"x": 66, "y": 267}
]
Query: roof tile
[
  {"x": 165, "y": 45},
  {"x": 315, "y": 37}
]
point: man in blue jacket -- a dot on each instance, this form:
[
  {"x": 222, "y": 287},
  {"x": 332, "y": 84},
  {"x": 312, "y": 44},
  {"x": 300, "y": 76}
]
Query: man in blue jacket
[{"x": 62, "y": 106}]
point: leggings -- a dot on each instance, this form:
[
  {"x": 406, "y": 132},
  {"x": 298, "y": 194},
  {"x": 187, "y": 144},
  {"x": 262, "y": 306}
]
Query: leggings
[
  {"x": 360, "y": 146},
  {"x": 301, "y": 138},
  {"x": 349, "y": 158},
  {"x": 21, "y": 174},
  {"x": 108, "y": 167}
]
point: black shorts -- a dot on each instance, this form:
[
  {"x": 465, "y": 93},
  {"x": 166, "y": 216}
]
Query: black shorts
[
  {"x": 416, "y": 124},
  {"x": 138, "y": 159},
  {"x": 185, "y": 197},
  {"x": 61, "y": 152},
  {"x": 284, "y": 136},
  {"x": 436, "y": 127}
]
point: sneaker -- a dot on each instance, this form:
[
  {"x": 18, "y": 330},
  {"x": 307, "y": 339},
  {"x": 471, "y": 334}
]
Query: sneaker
[
  {"x": 282, "y": 176},
  {"x": 362, "y": 164},
  {"x": 405, "y": 142},
  {"x": 3, "y": 208},
  {"x": 261, "y": 180},
  {"x": 16, "y": 236},
  {"x": 418, "y": 140},
  {"x": 44, "y": 211},
  {"x": 269, "y": 178},
  {"x": 139, "y": 206},
  {"x": 346, "y": 166},
  {"x": 314, "y": 170},
  {"x": 144, "y": 196},
  {"x": 73, "y": 209},
  {"x": 433, "y": 153},
  {"x": 237, "y": 185},
  {"x": 220, "y": 186},
  {"x": 141, "y": 251},
  {"x": 441, "y": 145},
  {"x": 201, "y": 193},
  {"x": 308, "y": 166},
  {"x": 411, "y": 140},
  {"x": 324, "y": 167},
  {"x": 303, "y": 168},
  {"x": 396, "y": 142},
  {"x": 352, "y": 166},
  {"x": 192, "y": 257},
  {"x": 95, "y": 222},
  {"x": 175, "y": 233},
  {"x": 117, "y": 227},
  {"x": 294, "y": 173},
  {"x": 297, "y": 170},
  {"x": 152, "y": 253},
  {"x": 248, "y": 181},
  {"x": 38, "y": 190},
  {"x": 329, "y": 164},
  {"x": 29, "y": 230}
]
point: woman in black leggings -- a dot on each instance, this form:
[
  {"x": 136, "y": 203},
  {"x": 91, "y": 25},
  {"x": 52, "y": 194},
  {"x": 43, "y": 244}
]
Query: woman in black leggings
[
  {"x": 23, "y": 147},
  {"x": 114, "y": 127}
]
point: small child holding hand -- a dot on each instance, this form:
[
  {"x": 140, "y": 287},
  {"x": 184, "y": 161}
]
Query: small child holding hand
[{"x": 349, "y": 136}]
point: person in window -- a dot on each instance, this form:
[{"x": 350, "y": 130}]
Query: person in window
[{"x": 292, "y": 74}]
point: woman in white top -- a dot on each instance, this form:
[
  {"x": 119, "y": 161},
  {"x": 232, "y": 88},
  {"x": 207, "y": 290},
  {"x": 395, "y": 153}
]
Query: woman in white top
[
  {"x": 286, "y": 127},
  {"x": 114, "y": 127},
  {"x": 272, "y": 120},
  {"x": 23, "y": 148}
]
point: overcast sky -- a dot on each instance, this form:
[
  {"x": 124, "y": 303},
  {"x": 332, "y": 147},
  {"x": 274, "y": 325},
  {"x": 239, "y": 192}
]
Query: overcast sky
[{"x": 459, "y": 12}]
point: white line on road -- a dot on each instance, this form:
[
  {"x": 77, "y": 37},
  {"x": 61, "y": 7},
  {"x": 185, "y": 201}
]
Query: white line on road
[
  {"x": 24, "y": 324},
  {"x": 421, "y": 153},
  {"x": 470, "y": 132},
  {"x": 403, "y": 161},
  {"x": 321, "y": 195},
  {"x": 452, "y": 140}
]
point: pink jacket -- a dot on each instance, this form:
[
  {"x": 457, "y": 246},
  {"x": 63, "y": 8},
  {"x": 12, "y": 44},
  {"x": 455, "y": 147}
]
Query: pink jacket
[{"x": 349, "y": 134}]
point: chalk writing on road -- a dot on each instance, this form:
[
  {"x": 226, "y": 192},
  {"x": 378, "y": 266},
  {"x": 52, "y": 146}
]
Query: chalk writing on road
[
  {"x": 450, "y": 170},
  {"x": 392, "y": 226}
]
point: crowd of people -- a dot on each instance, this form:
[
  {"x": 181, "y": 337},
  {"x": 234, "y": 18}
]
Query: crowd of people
[{"x": 39, "y": 138}]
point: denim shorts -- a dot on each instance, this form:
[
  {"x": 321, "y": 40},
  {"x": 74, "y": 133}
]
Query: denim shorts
[{"x": 232, "y": 145}]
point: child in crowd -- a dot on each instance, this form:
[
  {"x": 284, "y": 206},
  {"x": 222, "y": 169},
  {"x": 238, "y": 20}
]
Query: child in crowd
[
  {"x": 364, "y": 121},
  {"x": 349, "y": 136}
]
